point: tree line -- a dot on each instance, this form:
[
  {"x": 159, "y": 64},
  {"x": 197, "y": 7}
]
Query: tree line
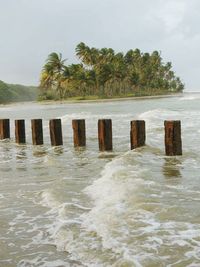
[{"x": 106, "y": 73}]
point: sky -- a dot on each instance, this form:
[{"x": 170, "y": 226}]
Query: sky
[{"x": 31, "y": 29}]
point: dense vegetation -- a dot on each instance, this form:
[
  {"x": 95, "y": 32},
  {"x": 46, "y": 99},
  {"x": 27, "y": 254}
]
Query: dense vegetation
[
  {"x": 17, "y": 93},
  {"x": 105, "y": 73}
]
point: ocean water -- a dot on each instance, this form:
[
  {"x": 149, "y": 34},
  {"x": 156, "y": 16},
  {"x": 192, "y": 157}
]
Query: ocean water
[{"x": 81, "y": 207}]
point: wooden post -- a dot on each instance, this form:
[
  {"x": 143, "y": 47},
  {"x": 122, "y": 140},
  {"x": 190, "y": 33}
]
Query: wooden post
[
  {"x": 4, "y": 128},
  {"x": 105, "y": 135},
  {"x": 37, "y": 132},
  {"x": 173, "y": 143},
  {"x": 79, "y": 132},
  {"x": 20, "y": 135},
  {"x": 137, "y": 133},
  {"x": 55, "y": 128}
]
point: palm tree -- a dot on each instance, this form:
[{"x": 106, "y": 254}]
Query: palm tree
[
  {"x": 47, "y": 77},
  {"x": 105, "y": 73},
  {"x": 53, "y": 70},
  {"x": 84, "y": 53}
]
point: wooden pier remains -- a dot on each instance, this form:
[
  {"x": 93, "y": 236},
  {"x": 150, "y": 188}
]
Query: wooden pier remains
[
  {"x": 105, "y": 135},
  {"x": 137, "y": 134},
  {"x": 55, "y": 128},
  {"x": 4, "y": 129},
  {"x": 20, "y": 134},
  {"x": 79, "y": 134},
  {"x": 37, "y": 132},
  {"x": 173, "y": 142}
]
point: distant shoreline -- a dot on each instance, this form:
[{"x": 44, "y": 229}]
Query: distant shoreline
[
  {"x": 98, "y": 100},
  {"x": 74, "y": 101}
]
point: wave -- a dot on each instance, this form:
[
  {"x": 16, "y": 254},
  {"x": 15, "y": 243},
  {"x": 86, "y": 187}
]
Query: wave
[
  {"x": 190, "y": 97},
  {"x": 156, "y": 116},
  {"x": 93, "y": 229},
  {"x": 136, "y": 211},
  {"x": 91, "y": 116},
  {"x": 128, "y": 214}
]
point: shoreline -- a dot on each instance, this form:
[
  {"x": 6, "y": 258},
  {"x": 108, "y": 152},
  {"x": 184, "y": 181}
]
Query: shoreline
[
  {"x": 85, "y": 101},
  {"x": 74, "y": 101}
]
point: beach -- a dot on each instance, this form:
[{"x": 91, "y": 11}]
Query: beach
[{"x": 109, "y": 99}]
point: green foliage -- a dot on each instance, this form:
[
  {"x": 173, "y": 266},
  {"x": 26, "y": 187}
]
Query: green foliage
[
  {"x": 104, "y": 73},
  {"x": 17, "y": 93},
  {"x": 5, "y": 92}
]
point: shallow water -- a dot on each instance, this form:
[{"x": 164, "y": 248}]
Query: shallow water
[{"x": 79, "y": 207}]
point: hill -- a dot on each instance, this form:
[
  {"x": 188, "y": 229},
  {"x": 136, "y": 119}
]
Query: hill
[{"x": 17, "y": 93}]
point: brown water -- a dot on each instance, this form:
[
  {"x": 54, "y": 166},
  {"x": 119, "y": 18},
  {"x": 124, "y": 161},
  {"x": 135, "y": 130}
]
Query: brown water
[{"x": 66, "y": 207}]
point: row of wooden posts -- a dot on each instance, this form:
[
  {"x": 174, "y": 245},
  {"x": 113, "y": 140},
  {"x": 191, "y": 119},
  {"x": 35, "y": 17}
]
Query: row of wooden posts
[{"x": 173, "y": 144}]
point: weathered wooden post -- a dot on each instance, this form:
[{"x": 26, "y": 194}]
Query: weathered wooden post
[
  {"x": 20, "y": 135},
  {"x": 105, "y": 134},
  {"x": 173, "y": 143},
  {"x": 4, "y": 128},
  {"x": 137, "y": 133},
  {"x": 37, "y": 132},
  {"x": 79, "y": 132},
  {"x": 55, "y": 128}
]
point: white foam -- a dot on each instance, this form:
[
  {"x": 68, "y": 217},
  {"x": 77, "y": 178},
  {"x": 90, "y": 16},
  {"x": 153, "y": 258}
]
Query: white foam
[
  {"x": 37, "y": 261},
  {"x": 112, "y": 194},
  {"x": 155, "y": 117},
  {"x": 123, "y": 223},
  {"x": 49, "y": 200},
  {"x": 190, "y": 97}
]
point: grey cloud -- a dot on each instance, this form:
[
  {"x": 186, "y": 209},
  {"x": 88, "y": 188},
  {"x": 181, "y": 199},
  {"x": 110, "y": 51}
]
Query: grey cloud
[{"x": 31, "y": 29}]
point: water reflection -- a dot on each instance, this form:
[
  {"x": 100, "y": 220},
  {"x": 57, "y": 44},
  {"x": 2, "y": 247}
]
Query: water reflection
[
  {"x": 5, "y": 152},
  {"x": 171, "y": 167},
  {"x": 21, "y": 153},
  {"x": 79, "y": 150},
  {"x": 58, "y": 150},
  {"x": 21, "y": 157},
  {"x": 107, "y": 155},
  {"x": 39, "y": 151}
]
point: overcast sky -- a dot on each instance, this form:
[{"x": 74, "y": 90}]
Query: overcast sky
[{"x": 31, "y": 29}]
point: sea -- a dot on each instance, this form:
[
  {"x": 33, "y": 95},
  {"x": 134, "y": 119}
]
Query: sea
[{"x": 70, "y": 207}]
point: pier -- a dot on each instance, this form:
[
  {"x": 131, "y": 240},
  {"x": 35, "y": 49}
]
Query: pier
[{"x": 172, "y": 134}]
